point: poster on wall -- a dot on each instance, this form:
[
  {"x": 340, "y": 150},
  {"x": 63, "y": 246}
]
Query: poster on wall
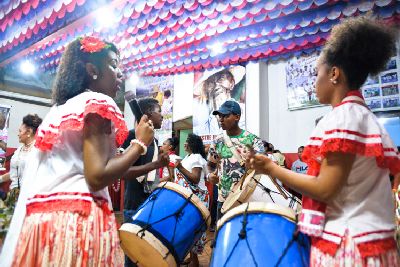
[
  {"x": 160, "y": 88},
  {"x": 300, "y": 82},
  {"x": 211, "y": 90},
  {"x": 381, "y": 93},
  {"x": 4, "y": 121}
]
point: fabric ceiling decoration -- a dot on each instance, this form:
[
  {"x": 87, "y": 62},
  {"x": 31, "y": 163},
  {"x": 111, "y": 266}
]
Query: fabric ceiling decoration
[{"x": 158, "y": 37}]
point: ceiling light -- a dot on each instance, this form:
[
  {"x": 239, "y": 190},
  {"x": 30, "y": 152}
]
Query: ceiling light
[
  {"x": 27, "y": 67},
  {"x": 217, "y": 48},
  {"x": 105, "y": 18},
  {"x": 132, "y": 81}
]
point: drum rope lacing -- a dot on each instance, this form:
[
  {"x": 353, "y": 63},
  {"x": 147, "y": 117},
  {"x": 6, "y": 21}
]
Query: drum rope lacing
[
  {"x": 299, "y": 242},
  {"x": 293, "y": 199},
  {"x": 242, "y": 235},
  {"x": 177, "y": 214}
]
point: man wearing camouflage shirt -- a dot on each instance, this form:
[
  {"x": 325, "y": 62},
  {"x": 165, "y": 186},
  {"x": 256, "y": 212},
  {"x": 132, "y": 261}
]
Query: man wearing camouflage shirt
[{"x": 226, "y": 169}]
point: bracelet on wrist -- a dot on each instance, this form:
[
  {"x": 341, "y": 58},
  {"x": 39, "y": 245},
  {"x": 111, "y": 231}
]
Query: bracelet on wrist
[{"x": 140, "y": 143}]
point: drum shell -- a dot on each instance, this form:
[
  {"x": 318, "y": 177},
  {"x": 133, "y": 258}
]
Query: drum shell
[
  {"x": 268, "y": 234},
  {"x": 188, "y": 226}
]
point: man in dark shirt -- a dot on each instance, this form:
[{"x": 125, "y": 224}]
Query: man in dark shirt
[{"x": 137, "y": 186}]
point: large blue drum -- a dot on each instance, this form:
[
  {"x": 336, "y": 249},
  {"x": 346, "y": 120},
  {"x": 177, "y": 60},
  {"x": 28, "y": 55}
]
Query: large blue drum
[
  {"x": 165, "y": 227},
  {"x": 260, "y": 234}
]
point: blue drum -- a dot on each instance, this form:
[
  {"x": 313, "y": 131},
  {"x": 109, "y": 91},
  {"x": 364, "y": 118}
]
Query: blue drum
[
  {"x": 165, "y": 227},
  {"x": 260, "y": 234}
]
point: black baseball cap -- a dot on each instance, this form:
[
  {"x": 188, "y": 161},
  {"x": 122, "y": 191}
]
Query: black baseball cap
[{"x": 228, "y": 107}]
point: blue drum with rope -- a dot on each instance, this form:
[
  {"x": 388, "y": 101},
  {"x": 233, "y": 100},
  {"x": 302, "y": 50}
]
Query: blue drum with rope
[
  {"x": 165, "y": 227},
  {"x": 260, "y": 234}
]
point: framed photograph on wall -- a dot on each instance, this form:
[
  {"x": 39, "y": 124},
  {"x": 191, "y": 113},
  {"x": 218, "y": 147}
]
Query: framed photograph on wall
[
  {"x": 211, "y": 89},
  {"x": 382, "y": 92},
  {"x": 162, "y": 89},
  {"x": 300, "y": 82},
  {"x": 4, "y": 121}
]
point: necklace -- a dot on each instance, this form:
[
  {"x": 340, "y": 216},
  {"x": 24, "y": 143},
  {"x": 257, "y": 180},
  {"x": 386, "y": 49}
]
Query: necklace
[
  {"x": 28, "y": 147},
  {"x": 116, "y": 189}
]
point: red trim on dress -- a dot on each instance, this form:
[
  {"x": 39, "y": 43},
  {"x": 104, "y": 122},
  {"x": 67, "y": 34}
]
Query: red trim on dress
[
  {"x": 353, "y": 133},
  {"x": 376, "y": 247},
  {"x": 46, "y": 139},
  {"x": 374, "y": 232},
  {"x": 355, "y": 93},
  {"x": 330, "y": 233},
  {"x": 352, "y": 101},
  {"x": 81, "y": 206},
  {"x": 66, "y": 194},
  {"x": 312, "y": 152},
  {"x": 367, "y": 249},
  {"x": 325, "y": 246}
]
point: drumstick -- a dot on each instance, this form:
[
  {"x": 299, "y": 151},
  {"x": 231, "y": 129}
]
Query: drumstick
[
  {"x": 278, "y": 187},
  {"x": 252, "y": 152},
  {"x": 243, "y": 178}
]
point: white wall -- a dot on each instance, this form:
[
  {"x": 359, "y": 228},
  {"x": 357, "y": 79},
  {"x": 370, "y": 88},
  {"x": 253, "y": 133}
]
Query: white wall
[
  {"x": 183, "y": 96},
  {"x": 267, "y": 113},
  {"x": 18, "y": 111},
  {"x": 287, "y": 129},
  {"x": 253, "y": 114}
]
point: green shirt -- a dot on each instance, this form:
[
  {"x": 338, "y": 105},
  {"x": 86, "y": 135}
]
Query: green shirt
[{"x": 229, "y": 169}]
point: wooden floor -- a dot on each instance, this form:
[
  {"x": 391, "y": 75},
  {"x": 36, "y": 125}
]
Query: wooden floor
[{"x": 204, "y": 259}]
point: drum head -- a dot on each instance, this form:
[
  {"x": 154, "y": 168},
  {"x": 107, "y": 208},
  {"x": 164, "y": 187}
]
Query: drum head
[
  {"x": 147, "y": 251},
  {"x": 257, "y": 207},
  {"x": 186, "y": 194},
  {"x": 241, "y": 193}
]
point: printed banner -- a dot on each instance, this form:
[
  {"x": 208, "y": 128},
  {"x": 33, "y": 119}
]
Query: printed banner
[
  {"x": 160, "y": 88},
  {"x": 300, "y": 82},
  {"x": 381, "y": 92},
  {"x": 4, "y": 121},
  {"x": 211, "y": 90}
]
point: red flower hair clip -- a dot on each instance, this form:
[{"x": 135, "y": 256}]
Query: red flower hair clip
[{"x": 90, "y": 44}]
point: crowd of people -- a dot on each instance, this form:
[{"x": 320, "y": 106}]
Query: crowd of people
[{"x": 61, "y": 210}]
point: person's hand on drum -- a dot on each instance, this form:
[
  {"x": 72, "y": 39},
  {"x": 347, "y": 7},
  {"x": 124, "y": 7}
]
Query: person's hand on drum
[
  {"x": 145, "y": 130},
  {"x": 261, "y": 163}
]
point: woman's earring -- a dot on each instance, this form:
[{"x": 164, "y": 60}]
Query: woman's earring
[
  {"x": 95, "y": 77},
  {"x": 333, "y": 81}
]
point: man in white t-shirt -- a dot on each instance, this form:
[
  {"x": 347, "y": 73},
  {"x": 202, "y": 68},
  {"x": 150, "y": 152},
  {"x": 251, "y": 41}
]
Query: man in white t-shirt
[{"x": 299, "y": 166}]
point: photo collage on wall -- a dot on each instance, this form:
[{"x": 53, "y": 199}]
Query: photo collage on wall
[
  {"x": 4, "y": 121},
  {"x": 162, "y": 89},
  {"x": 300, "y": 81},
  {"x": 381, "y": 92}
]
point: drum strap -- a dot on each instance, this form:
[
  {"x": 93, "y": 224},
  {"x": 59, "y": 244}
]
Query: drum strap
[{"x": 228, "y": 142}]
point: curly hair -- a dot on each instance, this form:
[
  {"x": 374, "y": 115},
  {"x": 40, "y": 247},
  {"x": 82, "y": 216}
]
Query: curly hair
[
  {"x": 148, "y": 104},
  {"x": 359, "y": 46},
  {"x": 195, "y": 143},
  {"x": 72, "y": 78},
  {"x": 32, "y": 121}
]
